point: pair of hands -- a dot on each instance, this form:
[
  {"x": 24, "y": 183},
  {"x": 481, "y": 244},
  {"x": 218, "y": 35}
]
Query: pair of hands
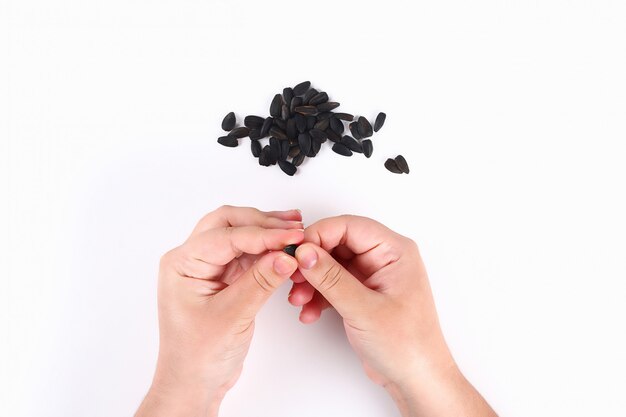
[{"x": 212, "y": 286}]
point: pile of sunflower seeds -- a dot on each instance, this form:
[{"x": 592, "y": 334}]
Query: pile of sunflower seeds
[{"x": 301, "y": 120}]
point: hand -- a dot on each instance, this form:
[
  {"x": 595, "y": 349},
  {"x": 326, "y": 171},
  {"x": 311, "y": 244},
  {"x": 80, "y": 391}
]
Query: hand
[
  {"x": 376, "y": 281},
  {"x": 210, "y": 290}
]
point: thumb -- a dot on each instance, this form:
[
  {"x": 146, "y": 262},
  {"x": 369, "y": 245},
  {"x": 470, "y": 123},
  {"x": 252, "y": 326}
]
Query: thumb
[
  {"x": 254, "y": 287},
  {"x": 342, "y": 290}
]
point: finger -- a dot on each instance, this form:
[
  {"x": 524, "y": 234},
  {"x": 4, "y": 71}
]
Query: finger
[
  {"x": 231, "y": 216},
  {"x": 374, "y": 244},
  {"x": 312, "y": 311},
  {"x": 248, "y": 294},
  {"x": 301, "y": 294},
  {"x": 298, "y": 277},
  {"x": 342, "y": 290}
]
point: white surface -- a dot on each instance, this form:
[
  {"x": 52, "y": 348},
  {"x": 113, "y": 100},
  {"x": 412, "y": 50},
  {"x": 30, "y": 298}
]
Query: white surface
[{"x": 511, "y": 115}]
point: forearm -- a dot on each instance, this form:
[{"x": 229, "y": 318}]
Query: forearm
[
  {"x": 444, "y": 392},
  {"x": 161, "y": 402}
]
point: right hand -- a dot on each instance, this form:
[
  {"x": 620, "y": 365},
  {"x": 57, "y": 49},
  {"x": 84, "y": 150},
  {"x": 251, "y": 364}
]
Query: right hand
[{"x": 377, "y": 282}]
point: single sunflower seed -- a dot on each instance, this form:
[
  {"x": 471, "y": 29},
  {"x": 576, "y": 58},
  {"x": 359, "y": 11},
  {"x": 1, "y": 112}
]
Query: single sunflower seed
[
  {"x": 267, "y": 124},
  {"x": 298, "y": 159},
  {"x": 301, "y": 88},
  {"x": 322, "y": 124},
  {"x": 310, "y": 122},
  {"x": 300, "y": 122},
  {"x": 336, "y": 125},
  {"x": 306, "y": 110},
  {"x": 309, "y": 95},
  {"x": 253, "y": 122},
  {"x": 328, "y": 106},
  {"x": 319, "y": 98},
  {"x": 275, "y": 107},
  {"x": 380, "y": 121},
  {"x": 295, "y": 102},
  {"x": 290, "y": 250},
  {"x": 364, "y": 127},
  {"x": 282, "y": 124},
  {"x": 352, "y": 144},
  {"x": 288, "y": 95},
  {"x": 402, "y": 164},
  {"x": 264, "y": 157},
  {"x": 354, "y": 129},
  {"x": 255, "y": 134},
  {"x": 292, "y": 131},
  {"x": 392, "y": 166},
  {"x": 284, "y": 150},
  {"x": 344, "y": 116},
  {"x": 278, "y": 133},
  {"x": 239, "y": 132},
  {"x": 304, "y": 141},
  {"x": 229, "y": 121},
  {"x": 342, "y": 149},
  {"x": 332, "y": 135},
  {"x": 256, "y": 148},
  {"x": 293, "y": 150},
  {"x": 287, "y": 167},
  {"x": 324, "y": 115},
  {"x": 229, "y": 141},
  {"x": 318, "y": 135},
  {"x": 284, "y": 112},
  {"x": 368, "y": 147}
]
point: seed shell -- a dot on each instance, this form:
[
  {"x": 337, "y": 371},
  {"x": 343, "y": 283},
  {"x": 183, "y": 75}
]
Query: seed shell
[
  {"x": 298, "y": 159},
  {"x": 332, "y": 135},
  {"x": 287, "y": 95},
  {"x": 267, "y": 124},
  {"x": 319, "y": 98},
  {"x": 344, "y": 116},
  {"x": 275, "y": 107},
  {"x": 342, "y": 149},
  {"x": 336, "y": 125},
  {"x": 368, "y": 147},
  {"x": 292, "y": 131},
  {"x": 290, "y": 250},
  {"x": 301, "y": 88},
  {"x": 322, "y": 124},
  {"x": 256, "y": 148},
  {"x": 284, "y": 150},
  {"x": 229, "y": 121},
  {"x": 278, "y": 133},
  {"x": 255, "y": 134},
  {"x": 287, "y": 167},
  {"x": 352, "y": 144},
  {"x": 309, "y": 95},
  {"x": 253, "y": 122},
  {"x": 239, "y": 132},
  {"x": 293, "y": 151},
  {"x": 229, "y": 141},
  {"x": 264, "y": 157},
  {"x": 295, "y": 102},
  {"x": 402, "y": 164},
  {"x": 392, "y": 166},
  {"x": 318, "y": 135},
  {"x": 380, "y": 121},
  {"x": 328, "y": 106},
  {"x": 300, "y": 122},
  {"x": 310, "y": 122},
  {"x": 354, "y": 129},
  {"x": 306, "y": 109},
  {"x": 304, "y": 141},
  {"x": 364, "y": 127}
]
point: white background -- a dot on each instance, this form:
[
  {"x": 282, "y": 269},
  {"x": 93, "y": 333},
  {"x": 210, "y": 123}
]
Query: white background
[{"x": 510, "y": 113}]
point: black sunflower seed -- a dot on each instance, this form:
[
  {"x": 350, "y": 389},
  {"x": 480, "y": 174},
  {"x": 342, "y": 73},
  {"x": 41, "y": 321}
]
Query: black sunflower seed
[
  {"x": 364, "y": 127},
  {"x": 275, "y": 147},
  {"x": 336, "y": 125},
  {"x": 298, "y": 159},
  {"x": 239, "y": 132},
  {"x": 322, "y": 124},
  {"x": 295, "y": 102},
  {"x": 328, "y": 106},
  {"x": 342, "y": 149},
  {"x": 380, "y": 121},
  {"x": 324, "y": 115},
  {"x": 293, "y": 150},
  {"x": 344, "y": 116},
  {"x": 287, "y": 167},
  {"x": 229, "y": 141},
  {"x": 253, "y": 122},
  {"x": 304, "y": 141},
  {"x": 306, "y": 109},
  {"x": 292, "y": 131},
  {"x": 319, "y": 98},
  {"x": 392, "y": 166},
  {"x": 229, "y": 121},
  {"x": 354, "y": 129},
  {"x": 282, "y": 124},
  {"x": 276, "y": 105},
  {"x": 284, "y": 112},
  {"x": 332, "y": 135},
  {"x": 264, "y": 157},
  {"x": 316, "y": 145},
  {"x": 256, "y": 147},
  {"x": 310, "y": 122},
  {"x": 352, "y": 144},
  {"x": 309, "y": 95},
  {"x": 284, "y": 150},
  {"x": 287, "y": 95},
  {"x": 301, "y": 88},
  {"x": 402, "y": 164},
  {"x": 368, "y": 147},
  {"x": 300, "y": 122},
  {"x": 267, "y": 124},
  {"x": 290, "y": 250},
  {"x": 318, "y": 134},
  {"x": 278, "y": 133},
  {"x": 255, "y": 134}
]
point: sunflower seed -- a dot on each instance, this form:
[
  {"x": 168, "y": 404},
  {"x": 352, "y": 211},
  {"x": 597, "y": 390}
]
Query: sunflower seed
[
  {"x": 255, "y": 134},
  {"x": 284, "y": 112},
  {"x": 298, "y": 159},
  {"x": 295, "y": 102},
  {"x": 294, "y": 150},
  {"x": 256, "y": 147},
  {"x": 324, "y": 115},
  {"x": 264, "y": 157},
  {"x": 300, "y": 122},
  {"x": 309, "y": 95},
  {"x": 319, "y": 98},
  {"x": 316, "y": 145},
  {"x": 253, "y": 122},
  {"x": 229, "y": 141},
  {"x": 276, "y": 105},
  {"x": 392, "y": 166},
  {"x": 310, "y": 122},
  {"x": 328, "y": 106},
  {"x": 318, "y": 135},
  {"x": 336, "y": 125},
  {"x": 332, "y": 135},
  {"x": 284, "y": 150},
  {"x": 352, "y": 144},
  {"x": 278, "y": 133},
  {"x": 364, "y": 127},
  {"x": 292, "y": 132},
  {"x": 344, "y": 116},
  {"x": 287, "y": 167},
  {"x": 301, "y": 88},
  {"x": 229, "y": 121},
  {"x": 239, "y": 132},
  {"x": 322, "y": 124},
  {"x": 380, "y": 121},
  {"x": 306, "y": 109},
  {"x": 368, "y": 147},
  {"x": 280, "y": 123},
  {"x": 267, "y": 124},
  {"x": 402, "y": 164},
  {"x": 275, "y": 147},
  {"x": 290, "y": 250},
  {"x": 304, "y": 141},
  {"x": 342, "y": 149},
  {"x": 287, "y": 95},
  {"x": 354, "y": 129}
]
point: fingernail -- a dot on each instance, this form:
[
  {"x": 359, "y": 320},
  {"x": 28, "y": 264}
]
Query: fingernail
[
  {"x": 285, "y": 265},
  {"x": 307, "y": 257}
]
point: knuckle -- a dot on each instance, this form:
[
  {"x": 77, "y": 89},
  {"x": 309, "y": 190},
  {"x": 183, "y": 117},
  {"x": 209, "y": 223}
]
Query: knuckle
[
  {"x": 264, "y": 283},
  {"x": 331, "y": 277}
]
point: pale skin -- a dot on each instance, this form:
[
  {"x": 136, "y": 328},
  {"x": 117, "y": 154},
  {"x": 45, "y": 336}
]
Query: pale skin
[{"x": 213, "y": 285}]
